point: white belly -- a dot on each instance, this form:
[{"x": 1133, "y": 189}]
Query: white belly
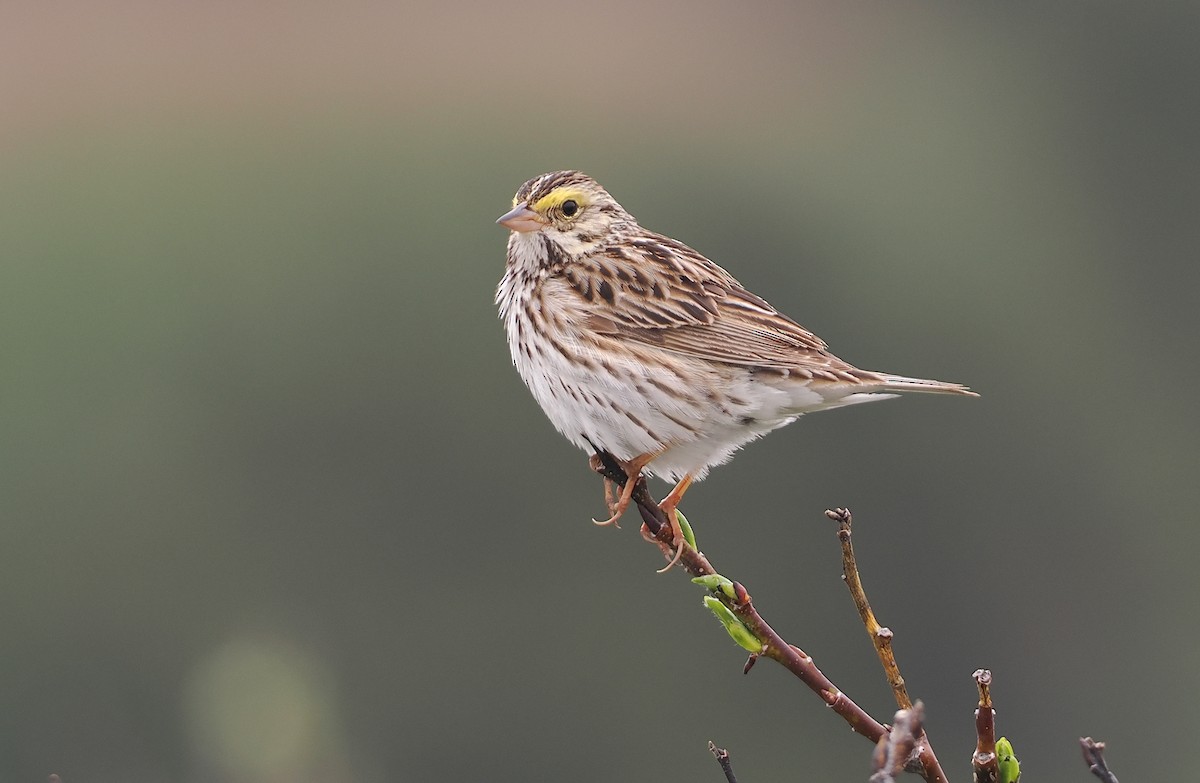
[{"x": 696, "y": 413}]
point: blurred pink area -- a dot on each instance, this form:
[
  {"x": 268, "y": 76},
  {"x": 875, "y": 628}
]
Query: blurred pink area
[{"x": 63, "y": 62}]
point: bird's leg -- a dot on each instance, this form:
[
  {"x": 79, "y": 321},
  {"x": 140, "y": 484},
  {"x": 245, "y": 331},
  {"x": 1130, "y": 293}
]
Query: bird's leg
[
  {"x": 668, "y": 505},
  {"x": 633, "y": 470},
  {"x": 609, "y": 500}
]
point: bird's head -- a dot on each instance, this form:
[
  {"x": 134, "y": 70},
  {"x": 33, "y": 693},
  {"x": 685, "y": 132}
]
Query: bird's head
[{"x": 567, "y": 211}]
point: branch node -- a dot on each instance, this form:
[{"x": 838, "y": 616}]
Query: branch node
[
  {"x": 983, "y": 681},
  {"x": 894, "y": 752},
  {"x": 1093, "y": 756},
  {"x": 803, "y": 655},
  {"x": 840, "y": 515},
  {"x": 722, "y": 757},
  {"x": 984, "y": 762}
]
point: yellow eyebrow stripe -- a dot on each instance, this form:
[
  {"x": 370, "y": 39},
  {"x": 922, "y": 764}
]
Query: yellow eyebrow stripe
[{"x": 556, "y": 197}]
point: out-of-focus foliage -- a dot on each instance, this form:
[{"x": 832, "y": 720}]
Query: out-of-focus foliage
[{"x": 274, "y": 506}]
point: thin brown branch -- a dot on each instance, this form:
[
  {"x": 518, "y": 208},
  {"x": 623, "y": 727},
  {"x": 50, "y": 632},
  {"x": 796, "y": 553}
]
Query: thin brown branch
[
  {"x": 893, "y": 752},
  {"x": 1093, "y": 756},
  {"x": 983, "y": 762},
  {"x": 881, "y": 637},
  {"x": 789, "y": 656},
  {"x": 722, "y": 757}
]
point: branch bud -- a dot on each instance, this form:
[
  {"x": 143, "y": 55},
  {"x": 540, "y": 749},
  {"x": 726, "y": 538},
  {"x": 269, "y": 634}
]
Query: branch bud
[
  {"x": 737, "y": 631},
  {"x": 1010, "y": 768},
  {"x": 688, "y": 535},
  {"x": 716, "y": 583}
]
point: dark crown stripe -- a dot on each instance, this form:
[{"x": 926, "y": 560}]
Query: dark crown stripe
[{"x": 538, "y": 187}]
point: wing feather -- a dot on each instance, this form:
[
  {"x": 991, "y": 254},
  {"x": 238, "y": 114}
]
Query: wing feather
[{"x": 659, "y": 292}]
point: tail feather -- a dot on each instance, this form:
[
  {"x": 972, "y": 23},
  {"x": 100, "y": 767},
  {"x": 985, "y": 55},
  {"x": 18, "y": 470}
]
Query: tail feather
[{"x": 901, "y": 383}]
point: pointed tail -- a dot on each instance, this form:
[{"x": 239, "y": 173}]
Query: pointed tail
[{"x": 901, "y": 383}]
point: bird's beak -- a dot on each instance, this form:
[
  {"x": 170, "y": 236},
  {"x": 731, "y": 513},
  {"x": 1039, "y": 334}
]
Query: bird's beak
[{"x": 521, "y": 218}]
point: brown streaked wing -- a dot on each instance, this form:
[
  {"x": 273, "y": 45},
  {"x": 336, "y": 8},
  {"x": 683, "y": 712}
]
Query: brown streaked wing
[{"x": 661, "y": 293}]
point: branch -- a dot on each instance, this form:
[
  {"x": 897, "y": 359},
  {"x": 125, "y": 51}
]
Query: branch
[
  {"x": 722, "y": 757},
  {"x": 983, "y": 762},
  {"x": 892, "y": 753},
  {"x": 1093, "y": 756},
  {"x": 881, "y": 637},
  {"x": 792, "y": 658}
]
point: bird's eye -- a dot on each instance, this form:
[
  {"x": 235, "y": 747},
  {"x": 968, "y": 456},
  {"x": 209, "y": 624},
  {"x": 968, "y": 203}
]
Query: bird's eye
[{"x": 570, "y": 207}]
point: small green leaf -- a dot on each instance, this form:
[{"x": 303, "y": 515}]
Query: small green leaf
[
  {"x": 716, "y": 582},
  {"x": 737, "y": 631},
  {"x": 1010, "y": 768},
  {"x": 688, "y": 535}
]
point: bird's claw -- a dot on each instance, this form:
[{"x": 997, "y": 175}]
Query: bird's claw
[
  {"x": 606, "y": 522},
  {"x": 677, "y": 537}
]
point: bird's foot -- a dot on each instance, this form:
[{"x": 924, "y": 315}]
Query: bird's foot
[
  {"x": 677, "y": 537},
  {"x": 633, "y": 472}
]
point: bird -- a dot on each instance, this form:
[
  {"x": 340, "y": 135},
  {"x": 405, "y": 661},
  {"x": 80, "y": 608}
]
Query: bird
[{"x": 637, "y": 345}]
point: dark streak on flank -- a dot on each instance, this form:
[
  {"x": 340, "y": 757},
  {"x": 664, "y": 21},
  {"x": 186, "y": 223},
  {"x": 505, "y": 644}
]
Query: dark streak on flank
[
  {"x": 667, "y": 389},
  {"x": 639, "y": 424},
  {"x": 570, "y": 356},
  {"x": 686, "y": 425},
  {"x": 606, "y": 292}
]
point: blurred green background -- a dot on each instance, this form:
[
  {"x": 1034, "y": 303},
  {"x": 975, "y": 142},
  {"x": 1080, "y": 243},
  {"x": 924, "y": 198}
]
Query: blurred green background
[{"x": 275, "y": 506}]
